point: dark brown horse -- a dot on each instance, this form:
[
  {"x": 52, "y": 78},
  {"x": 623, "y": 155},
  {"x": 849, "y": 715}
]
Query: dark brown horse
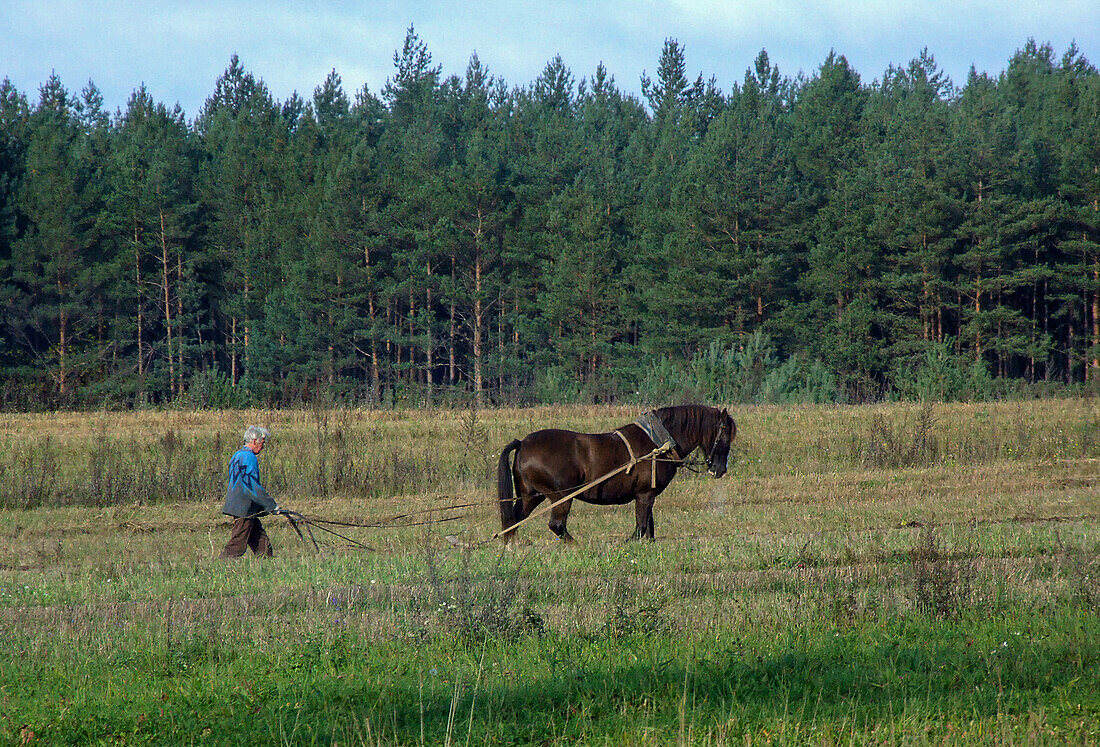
[{"x": 552, "y": 463}]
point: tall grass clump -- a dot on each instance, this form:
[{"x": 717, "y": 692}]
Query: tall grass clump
[
  {"x": 1080, "y": 567},
  {"x": 912, "y": 442},
  {"x": 334, "y": 466},
  {"x": 475, "y": 604},
  {"x": 631, "y": 613},
  {"x": 943, "y": 581},
  {"x": 29, "y": 473},
  {"x": 163, "y": 468}
]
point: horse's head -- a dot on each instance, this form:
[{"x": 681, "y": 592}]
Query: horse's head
[{"x": 724, "y": 431}]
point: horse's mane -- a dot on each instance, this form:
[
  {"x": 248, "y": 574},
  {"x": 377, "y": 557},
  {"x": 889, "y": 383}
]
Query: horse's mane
[{"x": 692, "y": 421}]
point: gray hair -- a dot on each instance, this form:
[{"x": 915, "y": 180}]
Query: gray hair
[{"x": 255, "y": 433}]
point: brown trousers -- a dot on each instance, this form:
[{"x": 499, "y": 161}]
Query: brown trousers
[{"x": 244, "y": 534}]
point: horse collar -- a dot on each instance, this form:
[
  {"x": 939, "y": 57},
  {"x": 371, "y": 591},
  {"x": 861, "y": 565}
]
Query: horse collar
[{"x": 658, "y": 434}]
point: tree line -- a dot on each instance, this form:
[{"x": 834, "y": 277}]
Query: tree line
[{"x": 451, "y": 237}]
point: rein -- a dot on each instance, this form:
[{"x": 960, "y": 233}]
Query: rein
[
  {"x": 296, "y": 518},
  {"x": 298, "y": 521}
]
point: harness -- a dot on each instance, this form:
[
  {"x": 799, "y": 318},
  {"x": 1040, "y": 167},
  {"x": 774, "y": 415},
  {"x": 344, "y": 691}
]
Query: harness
[
  {"x": 662, "y": 440},
  {"x": 658, "y": 434}
]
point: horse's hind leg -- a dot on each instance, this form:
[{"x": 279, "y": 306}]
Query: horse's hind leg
[
  {"x": 520, "y": 507},
  {"x": 525, "y": 503},
  {"x": 558, "y": 516}
]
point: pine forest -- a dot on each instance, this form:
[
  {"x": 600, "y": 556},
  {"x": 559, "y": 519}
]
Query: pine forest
[{"x": 826, "y": 237}]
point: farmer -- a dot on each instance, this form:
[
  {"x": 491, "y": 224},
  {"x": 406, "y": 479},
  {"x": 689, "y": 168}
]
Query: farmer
[{"x": 246, "y": 500}]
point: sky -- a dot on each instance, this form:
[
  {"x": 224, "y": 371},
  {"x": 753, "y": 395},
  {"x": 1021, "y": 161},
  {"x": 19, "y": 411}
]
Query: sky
[{"x": 178, "y": 49}]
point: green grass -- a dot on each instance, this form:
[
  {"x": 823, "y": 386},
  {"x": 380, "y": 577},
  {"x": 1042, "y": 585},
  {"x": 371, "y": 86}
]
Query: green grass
[
  {"x": 929, "y": 681},
  {"x": 982, "y": 678},
  {"x": 939, "y": 586}
]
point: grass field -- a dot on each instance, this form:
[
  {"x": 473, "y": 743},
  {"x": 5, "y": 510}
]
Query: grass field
[{"x": 893, "y": 574}]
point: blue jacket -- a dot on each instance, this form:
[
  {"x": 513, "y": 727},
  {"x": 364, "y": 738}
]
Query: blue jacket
[{"x": 244, "y": 495}]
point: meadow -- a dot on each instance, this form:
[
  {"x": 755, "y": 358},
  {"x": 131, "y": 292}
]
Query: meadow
[{"x": 888, "y": 574}]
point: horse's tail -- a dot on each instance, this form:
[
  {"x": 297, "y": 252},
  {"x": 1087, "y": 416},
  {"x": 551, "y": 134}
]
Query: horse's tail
[{"x": 509, "y": 513}]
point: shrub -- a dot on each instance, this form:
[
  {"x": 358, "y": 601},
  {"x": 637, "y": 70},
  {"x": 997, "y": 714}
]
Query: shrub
[
  {"x": 942, "y": 375},
  {"x": 749, "y": 372},
  {"x": 477, "y": 607},
  {"x": 555, "y": 385},
  {"x": 211, "y": 389}
]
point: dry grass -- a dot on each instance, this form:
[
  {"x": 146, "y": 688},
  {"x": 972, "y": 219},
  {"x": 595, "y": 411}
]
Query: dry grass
[
  {"x": 793, "y": 470},
  {"x": 995, "y": 509}
]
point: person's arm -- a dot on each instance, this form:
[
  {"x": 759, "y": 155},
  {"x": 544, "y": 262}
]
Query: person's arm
[{"x": 253, "y": 487}]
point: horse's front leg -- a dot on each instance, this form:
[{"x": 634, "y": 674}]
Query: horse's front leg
[{"x": 643, "y": 516}]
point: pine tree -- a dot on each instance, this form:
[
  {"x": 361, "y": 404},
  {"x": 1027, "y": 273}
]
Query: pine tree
[
  {"x": 736, "y": 201},
  {"x": 479, "y": 204},
  {"x": 50, "y": 312},
  {"x": 14, "y": 118},
  {"x": 544, "y": 161},
  {"x": 240, "y": 129},
  {"x": 841, "y": 315},
  {"x": 1070, "y": 304},
  {"x": 916, "y": 206},
  {"x": 676, "y": 280},
  {"x": 153, "y": 206},
  {"x": 413, "y": 151}
]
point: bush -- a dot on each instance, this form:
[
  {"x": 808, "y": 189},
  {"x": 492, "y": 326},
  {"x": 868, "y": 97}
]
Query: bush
[
  {"x": 906, "y": 444},
  {"x": 555, "y": 385},
  {"x": 800, "y": 382},
  {"x": 211, "y": 389},
  {"x": 750, "y": 372},
  {"x": 477, "y": 605},
  {"x": 941, "y": 375},
  {"x": 943, "y": 581}
]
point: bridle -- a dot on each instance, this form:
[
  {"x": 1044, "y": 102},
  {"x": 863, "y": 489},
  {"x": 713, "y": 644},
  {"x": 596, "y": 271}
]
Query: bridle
[{"x": 722, "y": 428}]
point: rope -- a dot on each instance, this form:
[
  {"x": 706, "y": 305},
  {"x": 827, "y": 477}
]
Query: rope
[
  {"x": 392, "y": 520},
  {"x": 629, "y": 450},
  {"x": 296, "y": 518}
]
